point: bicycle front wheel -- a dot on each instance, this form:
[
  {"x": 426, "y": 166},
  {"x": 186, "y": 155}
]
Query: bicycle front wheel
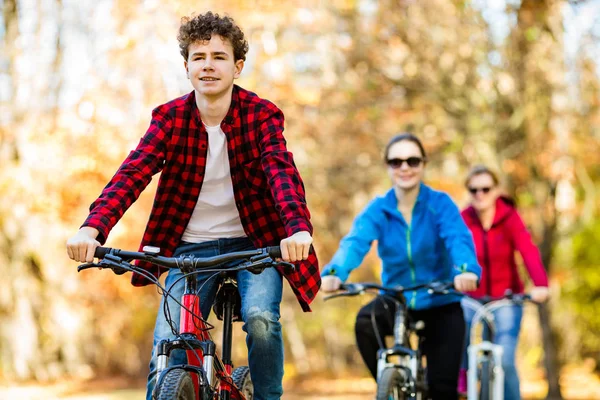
[
  {"x": 177, "y": 384},
  {"x": 243, "y": 381},
  {"x": 391, "y": 385}
]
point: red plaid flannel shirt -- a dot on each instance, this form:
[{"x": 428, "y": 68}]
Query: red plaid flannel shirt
[{"x": 268, "y": 190}]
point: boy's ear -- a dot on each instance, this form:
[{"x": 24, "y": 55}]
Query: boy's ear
[{"x": 239, "y": 66}]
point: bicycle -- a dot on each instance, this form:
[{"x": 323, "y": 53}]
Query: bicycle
[
  {"x": 207, "y": 376},
  {"x": 407, "y": 377},
  {"x": 485, "y": 375}
]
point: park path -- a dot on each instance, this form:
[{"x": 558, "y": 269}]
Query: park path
[{"x": 578, "y": 384}]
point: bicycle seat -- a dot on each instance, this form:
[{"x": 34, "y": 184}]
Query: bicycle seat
[{"x": 218, "y": 307}]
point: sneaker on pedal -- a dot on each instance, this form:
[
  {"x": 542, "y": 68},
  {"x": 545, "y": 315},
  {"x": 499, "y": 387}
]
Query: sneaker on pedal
[{"x": 462, "y": 382}]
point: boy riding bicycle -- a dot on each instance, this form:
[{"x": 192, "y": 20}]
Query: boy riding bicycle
[{"x": 227, "y": 183}]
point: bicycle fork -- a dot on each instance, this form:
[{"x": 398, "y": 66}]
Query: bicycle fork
[
  {"x": 200, "y": 353},
  {"x": 408, "y": 357},
  {"x": 478, "y": 353}
]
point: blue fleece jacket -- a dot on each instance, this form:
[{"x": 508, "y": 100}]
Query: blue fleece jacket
[{"x": 437, "y": 245}]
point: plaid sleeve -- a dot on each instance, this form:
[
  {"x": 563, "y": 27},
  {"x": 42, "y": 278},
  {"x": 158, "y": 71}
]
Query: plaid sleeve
[
  {"x": 131, "y": 178},
  {"x": 281, "y": 172}
]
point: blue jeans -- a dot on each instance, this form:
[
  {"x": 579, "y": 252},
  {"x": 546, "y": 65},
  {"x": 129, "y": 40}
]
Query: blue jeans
[
  {"x": 261, "y": 297},
  {"x": 508, "y": 324}
]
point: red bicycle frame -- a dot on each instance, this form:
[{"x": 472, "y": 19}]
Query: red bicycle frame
[{"x": 191, "y": 326}]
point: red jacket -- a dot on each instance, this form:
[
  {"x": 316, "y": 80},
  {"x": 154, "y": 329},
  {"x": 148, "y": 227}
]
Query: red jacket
[
  {"x": 268, "y": 190},
  {"x": 496, "y": 251}
]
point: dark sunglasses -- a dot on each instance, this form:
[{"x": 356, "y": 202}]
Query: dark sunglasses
[
  {"x": 473, "y": 190},
  {"x": 412, "y": 162}
]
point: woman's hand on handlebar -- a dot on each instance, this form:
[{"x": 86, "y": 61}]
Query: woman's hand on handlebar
[
  {"x": 465, "y": 282},
  {"x": 82, "y": 245},
  {"x": 539, "y": 294},
  {"x": 330, "y": 283}
]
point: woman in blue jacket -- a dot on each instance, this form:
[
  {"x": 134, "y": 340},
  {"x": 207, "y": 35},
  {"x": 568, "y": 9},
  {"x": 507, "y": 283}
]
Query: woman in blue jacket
[{"x": 421, "y": 238}]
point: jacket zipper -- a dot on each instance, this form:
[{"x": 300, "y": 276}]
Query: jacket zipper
[
  {"x": 486, "y": 258},
  {"x": 412, "y": 267}
]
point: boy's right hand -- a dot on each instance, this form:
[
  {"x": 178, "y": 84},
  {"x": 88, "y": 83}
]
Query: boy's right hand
[
  {"x": 330, "y": 283},
  {"x": 81, "y": 247}
]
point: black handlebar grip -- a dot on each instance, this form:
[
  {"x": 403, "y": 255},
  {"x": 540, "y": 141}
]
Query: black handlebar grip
[
  {"x": 274, "y": 251},
  {"x": 101, "y": 252}
]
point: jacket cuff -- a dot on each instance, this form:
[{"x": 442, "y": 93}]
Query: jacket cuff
[
  {"x": 475, "y": 269},
  {"x": 330, "y": 270}
]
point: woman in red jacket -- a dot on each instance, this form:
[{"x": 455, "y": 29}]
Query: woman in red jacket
[{"x": 498, "y": 231}]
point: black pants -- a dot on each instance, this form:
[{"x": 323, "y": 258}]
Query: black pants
[{"x": 444, "y": 334}]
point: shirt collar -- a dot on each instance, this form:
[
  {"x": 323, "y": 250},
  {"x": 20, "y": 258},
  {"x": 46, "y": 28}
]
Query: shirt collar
[{"x": 231, "y": 116}]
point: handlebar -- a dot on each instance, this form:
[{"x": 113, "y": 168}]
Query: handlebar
[
  {"x": 508, "y": 295},
  {"x": 199, "y": 262},
  {"x": 485, "y": 307},
  {"x": 119, "y": 260},
  {"x": 354, "y": 289}
]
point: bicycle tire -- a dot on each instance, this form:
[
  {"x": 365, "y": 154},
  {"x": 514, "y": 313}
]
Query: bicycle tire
[
  {"x": 422, "y": 387},
  {"x": 391, "y": 385},
  {"x": 486, "y": 380},
  {"x": 242, "y": 380},
  {"x": 177, "y": 384}
]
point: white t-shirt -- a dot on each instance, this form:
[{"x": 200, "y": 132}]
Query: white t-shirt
[{"x": 215, "y": 215}]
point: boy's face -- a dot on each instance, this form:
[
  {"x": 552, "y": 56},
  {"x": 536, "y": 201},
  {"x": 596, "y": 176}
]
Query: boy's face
[{"x": 211, "y": 66}]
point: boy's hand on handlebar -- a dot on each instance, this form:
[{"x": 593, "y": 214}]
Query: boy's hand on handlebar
[
  {"x": 539, "y": 294},
  {"x": 330, "y": 283},
  {"x": 82, "y": 245},
  {"x": 296, "y": 247},
  {"x": 465, "y": 282}
]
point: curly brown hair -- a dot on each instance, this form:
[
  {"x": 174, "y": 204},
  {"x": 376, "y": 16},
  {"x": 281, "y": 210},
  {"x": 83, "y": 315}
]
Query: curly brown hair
[{"x": 201, "y": 28}]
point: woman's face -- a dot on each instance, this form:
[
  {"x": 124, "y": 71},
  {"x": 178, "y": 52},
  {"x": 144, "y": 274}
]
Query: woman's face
[
  {"x": 483, "y": 190},
  {"x": 406, "y": 164}
]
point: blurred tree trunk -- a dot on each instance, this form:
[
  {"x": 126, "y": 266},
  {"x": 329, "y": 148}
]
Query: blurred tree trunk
[
  {"x": 35, "y": 343},
  {"x": 536, "y": 25},
  {"x": 11, "y": 32},
  {"x": 550, "y": 337},
  {"x": 8, "y": 155},
  {"x": 22, "y": 302}
]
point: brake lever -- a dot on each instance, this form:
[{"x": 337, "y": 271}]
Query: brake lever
[
  {"x": 342, "y": 294},
  {"x": 87, "y": 266},
  {"x": 355, "y": 288},
  {"x": 437, "y": 291},
  {"x": 257, "y": 266},
  {"x": 333, "y": 296},
  {"x": 114, "y": 263},
  {"x": 440, "y": 288},
  {"x": 522, "y": 298}
]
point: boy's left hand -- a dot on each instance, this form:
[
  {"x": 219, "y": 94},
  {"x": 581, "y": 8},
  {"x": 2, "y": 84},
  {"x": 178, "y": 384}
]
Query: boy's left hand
[{"x": 296, "y": 247}]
